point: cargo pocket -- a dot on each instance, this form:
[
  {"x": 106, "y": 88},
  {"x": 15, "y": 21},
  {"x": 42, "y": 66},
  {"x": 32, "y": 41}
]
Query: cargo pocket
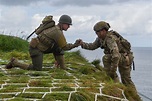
[
  {"x": 131, "y": 58},
  {"x": 34, "y": 52},
  {"x": 123, "y": 61},
  {"x": 34, "y": 42}
]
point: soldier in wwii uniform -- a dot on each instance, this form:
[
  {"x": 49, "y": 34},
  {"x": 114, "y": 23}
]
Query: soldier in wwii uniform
[
  {"x": 117, "y": 52},
  {"x": 50, "y": 39}
]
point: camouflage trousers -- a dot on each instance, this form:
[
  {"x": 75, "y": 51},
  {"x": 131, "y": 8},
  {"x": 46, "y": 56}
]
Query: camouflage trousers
[{"x": 124, "y": 68}]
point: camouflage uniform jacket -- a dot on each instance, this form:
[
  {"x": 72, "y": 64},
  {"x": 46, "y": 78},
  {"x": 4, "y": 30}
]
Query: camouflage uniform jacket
[{"x": 109, "y": 44}]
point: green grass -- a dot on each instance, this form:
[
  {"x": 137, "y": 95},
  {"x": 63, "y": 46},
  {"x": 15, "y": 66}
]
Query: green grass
[
  {"x": 17, "y": 72},
  {"x": 6, "y": 96},
  {"x": 38, "y": 90},
  {"x": 39, "y": 83},
  {"x": 81, "y": 96},
  {"x": 56, "y": 96},
  {"x": 31, "y": 95},
  {"x": 10, "y": 43},
  {"x": 10, "y": 89},
  {"x": 80, "y": 72},
  {"x": 110, "y": 87},
  {"x": 63, "y": 88},
  {"x": 18, "y": 99},
  {"x": 19, "y": 79},
  {"x": 37, "y": 73}
]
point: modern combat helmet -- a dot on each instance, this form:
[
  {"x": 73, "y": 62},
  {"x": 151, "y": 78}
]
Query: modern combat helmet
[
  {"x": 101, "y": 25},
  {"x": 65, "y": 19}
]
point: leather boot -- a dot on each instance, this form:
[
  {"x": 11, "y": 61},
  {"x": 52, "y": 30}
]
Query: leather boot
[
  {"x": 60, "y": 61},
  {"x": 15, "y": 63},
  {"x": 10, "y": 64}
]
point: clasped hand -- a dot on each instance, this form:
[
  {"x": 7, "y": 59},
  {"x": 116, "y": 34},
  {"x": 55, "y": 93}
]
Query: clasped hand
[{"x": 78, "y": 42}]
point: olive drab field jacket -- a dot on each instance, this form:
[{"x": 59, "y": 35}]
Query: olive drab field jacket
[{"x": 48, "y": 38}]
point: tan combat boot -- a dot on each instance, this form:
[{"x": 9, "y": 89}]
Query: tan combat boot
[
  {"x": 15, "y": 63},
  {"x": 60, "y": 61}
]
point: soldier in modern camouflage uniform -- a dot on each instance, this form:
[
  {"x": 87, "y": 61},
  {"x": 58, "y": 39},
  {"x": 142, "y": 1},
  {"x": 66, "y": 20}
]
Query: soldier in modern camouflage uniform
[
  {"x": 49, "y": 40},
  {"x": 115, "y": 54}
]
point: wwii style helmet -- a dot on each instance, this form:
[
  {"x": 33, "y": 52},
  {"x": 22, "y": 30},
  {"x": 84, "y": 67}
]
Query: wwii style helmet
[
  {"x": 65, "y": 19},
  {"x": 101, "y": 25}
]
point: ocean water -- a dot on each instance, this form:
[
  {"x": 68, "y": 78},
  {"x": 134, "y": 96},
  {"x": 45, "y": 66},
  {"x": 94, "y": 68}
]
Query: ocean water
[{"x": 141, "y": 76}]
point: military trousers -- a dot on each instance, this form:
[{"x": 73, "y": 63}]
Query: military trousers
[
  {"x": 37, "y": 57},
  {"x": 107, "y": 66},
  {"x": 124, "y": 68}
]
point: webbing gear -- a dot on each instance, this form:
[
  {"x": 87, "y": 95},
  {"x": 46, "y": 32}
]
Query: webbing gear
[
  {"x": 34, "y": 42},
  {"x": 46, "y": 40},
  {"x": 124, "y": 43},
  {"x": 44, "y": 26},
  {"x": 47, "y": 22},
  {"x": 127, "y": 60}
]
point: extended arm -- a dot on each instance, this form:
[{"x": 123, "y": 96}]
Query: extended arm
[
  {"x": 70, "y": 46},
  {"x": 90, "y": 46}
]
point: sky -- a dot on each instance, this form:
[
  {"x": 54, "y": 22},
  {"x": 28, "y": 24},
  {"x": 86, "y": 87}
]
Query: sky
[{"x": 131, "y": 18}]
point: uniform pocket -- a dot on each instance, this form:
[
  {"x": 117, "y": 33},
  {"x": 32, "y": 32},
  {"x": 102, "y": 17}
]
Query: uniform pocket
[
  {"x": 131, "y": 58},
  {"x": 34, "y": 42},
  {"x": 34, "y": 52},
  {"x": 122, "y": 61}
]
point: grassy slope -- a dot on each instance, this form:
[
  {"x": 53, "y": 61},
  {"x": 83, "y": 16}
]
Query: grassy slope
[
  {"x": 87, "y": 74},
  {"x": 9, "y": 43}
]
